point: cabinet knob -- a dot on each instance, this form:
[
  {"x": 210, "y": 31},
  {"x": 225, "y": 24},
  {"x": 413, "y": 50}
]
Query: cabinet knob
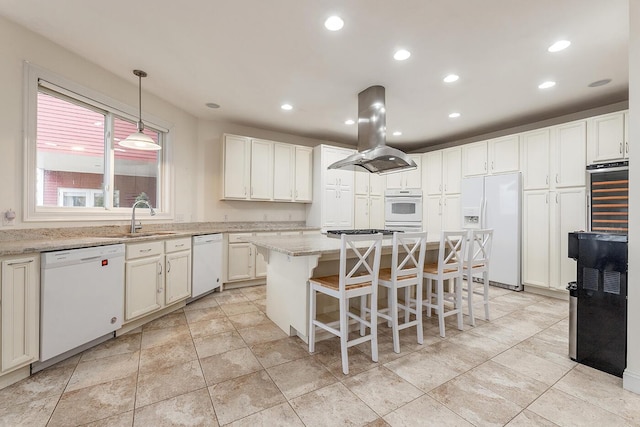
[
  {"x": 621, "y": 148},
  {"x": 114, "y": 320},
  {"x": 168, "y": 266},
  {"x": 492, "y": 168}
]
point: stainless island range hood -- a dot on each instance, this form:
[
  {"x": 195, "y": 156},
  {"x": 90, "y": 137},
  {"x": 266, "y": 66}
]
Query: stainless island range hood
[{"x": 373, "y": 154}]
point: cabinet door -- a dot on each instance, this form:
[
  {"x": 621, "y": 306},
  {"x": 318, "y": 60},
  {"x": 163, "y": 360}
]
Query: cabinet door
[
  {"x": 570, "y": 148},
  {"x": 344, "y": 206},
  {"x": 570, "y": 215},
  {"x": 474, "y": 159},
  {"x": 433, "y": 172},
  {"x": 535, "y": 238},
  {"x": 361, "y": 211},
  {"x": 361, "y": 182},
  {"x": 20, "y": 295},
  {"x": 452, "y": 168},
  {"x": 433, "y": 216},
  {"x": 330, "y": 207},
  {"x": 283, "y": 169},
  {"x": 377, "y": 184},
  {"x": 451, "y": 214},
  {"x": 143, "y": 286},
  {"x": 395, "y": 180},
  {"x": 261, "y": 170},
  {"x": 535, "y": 159},
  {"x": 607, "y": 137},
  {"x": 303, "y": 174},
  {"x": 239, "y": 261},
  {"x": 236, "y": 167},
  {"x": 178, "y": 276},
  {"x": 504, "y": 154},
  {"x": 413, "y": 178},
  {"x": 376, "y": 212}
]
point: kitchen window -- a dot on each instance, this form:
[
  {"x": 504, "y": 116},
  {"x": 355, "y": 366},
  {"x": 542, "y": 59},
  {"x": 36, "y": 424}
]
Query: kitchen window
[{"x": 75, "y": 169}]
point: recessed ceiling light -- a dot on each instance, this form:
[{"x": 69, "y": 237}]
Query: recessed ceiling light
[
  {"x": 559, "y": 45},
  {"x": 349, "y": 122},
  {"x": 546, "y": 85},
  {"x": 212, "y": 105},
  {"x": 77, "y": 148},
  {"x": 334, "y": 23},
  {"x": 401, "y": 55},
  {"x": 600, "y": 83},
  {"x": 397, "y": 133},
  {"x": 451, "y": 78},
  {"x": 454, "y": 115},
  {"x": 286, "y": 107}
]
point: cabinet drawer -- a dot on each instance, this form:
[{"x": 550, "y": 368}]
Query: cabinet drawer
[
  {"x": 238, "y": 237},
  {"x": 140, "y": 250},
  {"x": 175, "y": 245}
]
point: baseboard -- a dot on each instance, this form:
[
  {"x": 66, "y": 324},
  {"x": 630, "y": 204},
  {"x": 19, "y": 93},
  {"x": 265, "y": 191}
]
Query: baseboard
[
  {"x": 14, "y": 376},
  {"x": 563, "y": 295},
  {"x": 631, "y": 381}
]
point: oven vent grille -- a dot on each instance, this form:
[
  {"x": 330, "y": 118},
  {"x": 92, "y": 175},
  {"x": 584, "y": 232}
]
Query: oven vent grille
[
  {"x": 590, "y": 279},
  {"x": 612, "y": 282}
]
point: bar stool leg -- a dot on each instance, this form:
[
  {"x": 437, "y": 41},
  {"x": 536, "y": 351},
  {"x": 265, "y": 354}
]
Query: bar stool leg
[
  {"x": 312, "y": 317},
  {"x": 344, "y": 334}
]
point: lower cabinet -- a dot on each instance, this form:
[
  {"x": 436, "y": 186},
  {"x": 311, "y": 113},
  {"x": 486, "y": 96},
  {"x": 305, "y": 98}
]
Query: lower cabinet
[
  {"x": 20, "y": 308},
  {"x": 157, "y": 274},
  {"x": 244, "y": 262},
  {"x": 441, "y": 213}
]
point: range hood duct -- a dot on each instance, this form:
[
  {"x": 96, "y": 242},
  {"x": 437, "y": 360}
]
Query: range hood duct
[{"x": 373, "y": 153}]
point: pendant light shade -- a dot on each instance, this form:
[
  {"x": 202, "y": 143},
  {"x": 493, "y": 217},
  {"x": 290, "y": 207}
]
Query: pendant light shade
[{"x": 138, "y": 140}]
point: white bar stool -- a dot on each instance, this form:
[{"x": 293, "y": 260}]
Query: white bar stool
[{"x": 477, "y": 262}]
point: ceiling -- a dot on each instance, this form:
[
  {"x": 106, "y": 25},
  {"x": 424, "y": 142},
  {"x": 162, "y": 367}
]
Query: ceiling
[{"x": 251, "y": 56}]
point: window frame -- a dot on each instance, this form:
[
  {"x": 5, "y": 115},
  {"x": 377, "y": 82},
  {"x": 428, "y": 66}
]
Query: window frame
[{"x": 33, "y": 75}]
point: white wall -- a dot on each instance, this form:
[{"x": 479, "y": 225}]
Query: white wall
[{"x": 631, "y": 378}]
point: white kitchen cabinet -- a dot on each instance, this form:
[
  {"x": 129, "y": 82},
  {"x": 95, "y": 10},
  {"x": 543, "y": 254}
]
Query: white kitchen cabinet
[
  {"x": 143, "y": 285},
  {"x": 283, "y": 171},
  {"x": 536, "y": 159},
  {"x": 441, "y": 204},
  {"x": 432, "y": 213},
  {"x": 474, "y": 159},
  {"x": 333, "y": 190},
  {"x": 451, "y": 218},
  {"x": 361, "y": 211},
  {"x": 569, "y": 151},
  {"x": 409, "y": 179},
  {"x": 535, "y": 238},
  {"x": 607, "y": 138},
  {"x": 432, "y": 175},
  {"x": 178, "y": 270},
  {"x": 244, "y": 262},
  {"x": 451, "y": 170},
  {"x": 261, "y": 170},
  {"x": 237, "y": 165},
  {"x": 369, "y": 200},
  {"x": 568, "y": 214},
  {"x": 504, "y": 154},
  {"x": 303, "y": 176},
  {"x": 20, "y": 311}
]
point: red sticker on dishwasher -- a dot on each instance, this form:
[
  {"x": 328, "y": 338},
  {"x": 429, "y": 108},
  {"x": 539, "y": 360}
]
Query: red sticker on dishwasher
[{"x": 105, "y": 262}]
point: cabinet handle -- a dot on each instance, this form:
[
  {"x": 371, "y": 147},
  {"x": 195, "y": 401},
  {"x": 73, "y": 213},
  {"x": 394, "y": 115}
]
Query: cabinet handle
[
  {"x": 556, "y": 198},
  {"x": 168, "y": 266},
  {"x": 180, "y": 245},
  {"x": 546, "y": 198},
  {"x": 21, "y": 262},
  {"x": 492, "y": 167},
  {"x": 547, "y": 181},
  {"x": 160, "y": 271},
  {"x": 440, "y": 187},
  {"x": 159, "y": 290},
  {"x": 557, "y": 180},
  {"x": 296, "y": 194},
  {"x": 144, "y": 251},
  {"x": 252, "y": 190},
  {"x": 445, "y": 188},
  {"x": 245, "y": 191},
  {"x": 626, "y": 147},
  {"x": 485, "y": 166},
  {"x": 621, "y": 148}
]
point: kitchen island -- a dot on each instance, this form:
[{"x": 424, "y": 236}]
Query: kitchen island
[{"x": 291, "y": 262}]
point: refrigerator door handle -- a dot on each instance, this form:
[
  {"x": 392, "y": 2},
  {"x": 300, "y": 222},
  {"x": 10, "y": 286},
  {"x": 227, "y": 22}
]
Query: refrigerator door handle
[{"x": 483, "y": 213}]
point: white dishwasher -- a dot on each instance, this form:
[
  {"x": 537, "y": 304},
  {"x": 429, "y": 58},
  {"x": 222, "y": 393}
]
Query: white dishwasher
[
  {"x": 82, "y": 294},
  {"x": 207, "y": 264}
]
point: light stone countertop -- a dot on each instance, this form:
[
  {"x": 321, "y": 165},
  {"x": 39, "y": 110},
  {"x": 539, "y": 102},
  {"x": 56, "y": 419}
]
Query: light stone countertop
[{"x": 29, "y": 241}]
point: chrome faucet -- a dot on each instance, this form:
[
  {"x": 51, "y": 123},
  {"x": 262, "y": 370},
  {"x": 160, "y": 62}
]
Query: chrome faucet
[{"x": 134, "y": 226}]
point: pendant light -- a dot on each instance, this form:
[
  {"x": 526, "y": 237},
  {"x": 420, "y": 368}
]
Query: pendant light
[{"x": 138, "y": 140}]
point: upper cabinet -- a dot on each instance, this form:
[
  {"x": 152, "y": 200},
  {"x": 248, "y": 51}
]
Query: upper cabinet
[
  {"x": 608, "y": 138},
  {"x": 535, "y": 159},
  {"x": 474, "y": 159},
  {"x": 256, "y": 169},
  {"x": 504, "y": 154},
  {"x": 407, "y": 179},
  {"x": 442, "y": 171}
]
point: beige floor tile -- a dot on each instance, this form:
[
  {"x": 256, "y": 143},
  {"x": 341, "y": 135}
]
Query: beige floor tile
[
  {"x": 262, "y": 333},
  {"x": 527, "y": 418},
  {"x": 261, "y": 304},
  {"x": 95, "y": 403},
  {"x": 120, "y": 345},
  {"x": 163, "y": 356},
  {"x": 379, "y": 422},
  {"x": 521, "y": 324},
  {"x": 277, "y": 416},
  {"x": 455, "y": 356},
  {"x": 174, "y": 380},
  {"x": 50, "y": 382},
  {"x": 239, "y": 308},
  {"x": 480, "y": 345},
  {"x": 103, "y": 370},
  {"x": 385, "y": 349},
  {"x": 233, "y": 296},
  {"x": 211, "y": 345},
  {"x": 248, "y": 320},
  {"x": 204, "y": 302},
  {"x": 601, "y": 389},
  {"x": 169, "y": 335},
  {"x": 204, "y": 314},
  {"x": 210, "y": 327},
  {"x": 300, "y": 376},
  {"x": 124, "y": 419},
  {"x": 566, "y": 410},
  {"x": 177, "y": 318},
  {"x": 229, "y": 365},
  {"x": 243, "y": 396},
  {"x": 501, "y": 334},
  {"x": 190, "y": 409},
  {"x": 474, "y": 402},
  {"x": 32, "y": 413},
  {"x": 358, "y": 362},
  {"x": 330, "y": 406},
  {"x": 531, "y": 365},
  {"x": 425, "y": 411},
  {"x": 382, "y": 390},
  {"x": 557, "y": 353},
  {"x": 272, "y": 353},
  {"x": 254, "y": 292},
  {"x": 422, "y": 370}
]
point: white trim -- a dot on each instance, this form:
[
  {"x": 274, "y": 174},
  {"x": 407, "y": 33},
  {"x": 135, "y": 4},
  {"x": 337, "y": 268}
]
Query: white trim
[{"x": 631, "y": 381}]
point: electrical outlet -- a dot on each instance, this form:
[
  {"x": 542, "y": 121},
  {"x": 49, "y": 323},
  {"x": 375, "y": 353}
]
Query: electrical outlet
[{"x": 9, "y": 218}]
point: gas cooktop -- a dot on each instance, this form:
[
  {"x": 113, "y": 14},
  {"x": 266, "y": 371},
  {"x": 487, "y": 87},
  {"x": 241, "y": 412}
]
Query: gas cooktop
[{"x": 335, "y": 233}]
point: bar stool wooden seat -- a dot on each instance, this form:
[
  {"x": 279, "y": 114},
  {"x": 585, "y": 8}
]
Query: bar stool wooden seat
[
  {"x": 357, "y": 277},
  {"x": 449, "y": 266},
  {"x": 407, "y": 263},
  {"x": 477, "y": 262}
]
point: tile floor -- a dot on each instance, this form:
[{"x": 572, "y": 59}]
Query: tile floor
[{"x": 220, "y": 361}]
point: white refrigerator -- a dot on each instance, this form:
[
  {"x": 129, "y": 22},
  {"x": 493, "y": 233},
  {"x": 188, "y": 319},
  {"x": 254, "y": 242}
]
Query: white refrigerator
[{"x": 495, "y": 202}]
